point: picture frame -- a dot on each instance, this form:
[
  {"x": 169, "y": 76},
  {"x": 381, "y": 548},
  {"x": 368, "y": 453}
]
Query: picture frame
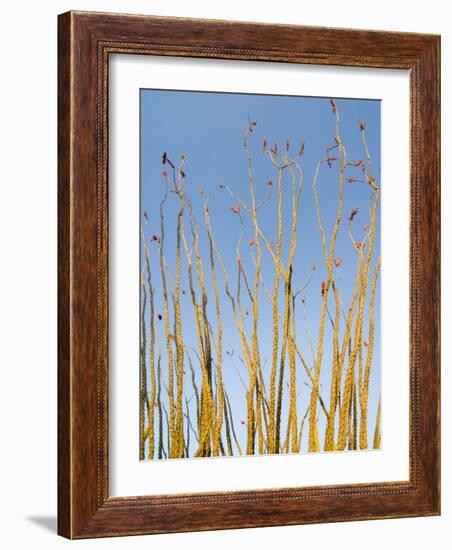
[{"x": 85, "y": 43}]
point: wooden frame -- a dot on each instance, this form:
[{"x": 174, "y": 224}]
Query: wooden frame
[{"x": 85, "y": 42}]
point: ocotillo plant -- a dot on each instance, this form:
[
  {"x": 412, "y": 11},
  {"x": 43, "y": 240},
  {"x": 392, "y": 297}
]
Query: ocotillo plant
[{"x": 194, "y": 299}]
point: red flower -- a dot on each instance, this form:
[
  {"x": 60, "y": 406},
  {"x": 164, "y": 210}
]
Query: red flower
[
  {"x": 333, "y": 105},
  {"x": 330, "y": 159},
  {"x": 236, "y": 209},
  {"x": 323, "y": 288},
  {"x": 353, "y": 213},
  {"x": 362, "y": 126}
]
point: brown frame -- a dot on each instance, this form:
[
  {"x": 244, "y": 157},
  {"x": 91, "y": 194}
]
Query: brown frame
[{"x": 84, "y": 44}]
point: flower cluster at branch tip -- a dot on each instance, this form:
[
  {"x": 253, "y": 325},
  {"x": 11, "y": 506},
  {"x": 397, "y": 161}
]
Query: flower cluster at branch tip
[
  {"x": 166, "y": 159},
  {"x": 329, "y": 160},
  {"x": 358, "y": 163},
  {"x": 353, "y": 213}
]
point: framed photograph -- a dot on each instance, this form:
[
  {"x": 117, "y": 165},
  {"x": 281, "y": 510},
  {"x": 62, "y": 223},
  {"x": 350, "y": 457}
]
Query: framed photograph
[{"x": 248, "y": 275}]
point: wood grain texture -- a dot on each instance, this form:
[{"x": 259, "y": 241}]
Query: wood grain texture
[
  {"x": 64, "y": 294},
  {"x": 85, "y": 42}
]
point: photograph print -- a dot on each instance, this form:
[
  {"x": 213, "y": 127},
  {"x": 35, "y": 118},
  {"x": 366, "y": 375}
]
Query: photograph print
[{"x": 259, "y": 275}]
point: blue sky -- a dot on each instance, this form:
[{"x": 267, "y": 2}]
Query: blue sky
[{"x": 208, "y": 128}]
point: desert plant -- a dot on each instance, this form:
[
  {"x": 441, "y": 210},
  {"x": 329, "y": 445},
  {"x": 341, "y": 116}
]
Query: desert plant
[{"x": 185, "y": 404}]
